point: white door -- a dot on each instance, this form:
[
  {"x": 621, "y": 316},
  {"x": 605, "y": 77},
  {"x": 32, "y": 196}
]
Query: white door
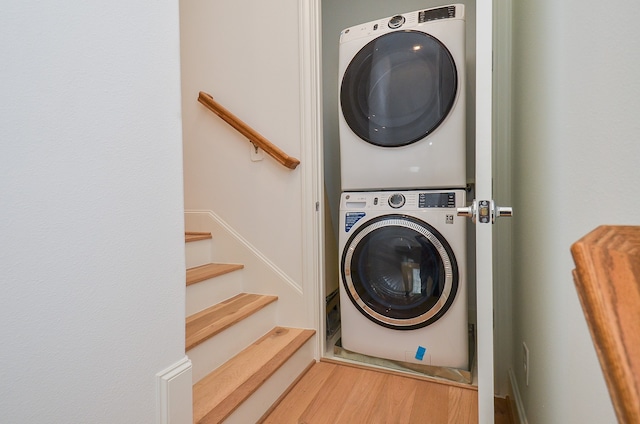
[{"x": 483, "y": 210}]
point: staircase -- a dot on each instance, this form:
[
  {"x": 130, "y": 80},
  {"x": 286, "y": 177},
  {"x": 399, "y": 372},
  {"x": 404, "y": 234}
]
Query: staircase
[{"x": 242, "y": 360}]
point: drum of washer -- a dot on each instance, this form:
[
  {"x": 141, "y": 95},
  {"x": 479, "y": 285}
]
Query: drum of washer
[{"x": 399, "y": 272}]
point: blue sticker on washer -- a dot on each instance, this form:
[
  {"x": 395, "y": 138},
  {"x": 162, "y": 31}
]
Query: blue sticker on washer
[
  {"x": 420, "y": 353},
  {"x": 351, "y": 218}
]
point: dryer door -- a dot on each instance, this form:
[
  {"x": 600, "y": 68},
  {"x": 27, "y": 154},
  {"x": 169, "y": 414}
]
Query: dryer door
[
  {"x": 398, "y": 88},
  {"x": 399, "y": 272}
]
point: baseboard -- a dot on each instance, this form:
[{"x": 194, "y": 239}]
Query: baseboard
[
  {"x": 174, "y": 395},
  {"x": 516, "y": 400}
]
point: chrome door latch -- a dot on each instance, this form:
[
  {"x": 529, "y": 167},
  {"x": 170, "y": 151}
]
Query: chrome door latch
[
  {"x": 469, "y": 211},
  {"x": 485, "y": 211}
]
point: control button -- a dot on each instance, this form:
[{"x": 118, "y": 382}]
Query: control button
[
  {"x": 451, "y": 203},
  {"x": 396, "y": 200},
  {"x": 396, "y": 21}
]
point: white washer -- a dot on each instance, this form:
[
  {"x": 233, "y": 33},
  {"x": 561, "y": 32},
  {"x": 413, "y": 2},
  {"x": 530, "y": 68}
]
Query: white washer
[
  {"x": 402, "y": 101},
  {"x": 403, "y": 290}
]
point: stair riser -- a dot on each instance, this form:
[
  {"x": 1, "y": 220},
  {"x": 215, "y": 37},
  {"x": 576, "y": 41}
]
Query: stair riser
[
  {"x": 198, "y": 253},
  {"x": 252, "y": 409},
  {"x": 212, "y": 291},
  {"x": 212, "y": 353}
]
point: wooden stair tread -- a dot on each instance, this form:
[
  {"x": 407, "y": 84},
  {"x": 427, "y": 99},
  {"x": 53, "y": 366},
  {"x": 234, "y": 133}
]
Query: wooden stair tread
[
  {"x": 209, "y": 322},
  {"x": 204, "y": 272},
  {"x": 190, "y": 236},
  {"x": 217, "y": 395}
]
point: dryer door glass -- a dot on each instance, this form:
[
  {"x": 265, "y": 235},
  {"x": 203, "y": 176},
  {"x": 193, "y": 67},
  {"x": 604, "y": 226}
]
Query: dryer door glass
[
  {"x": 398, "y": 88},
  {"x": 400, "y": 272}
]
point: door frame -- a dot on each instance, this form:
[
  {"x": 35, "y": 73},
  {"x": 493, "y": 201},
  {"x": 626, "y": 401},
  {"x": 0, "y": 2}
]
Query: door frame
[
  {"x": 484, "y": 191},
  {"x": 311, "y": 120},
  {"x": 313, "y": 258}
]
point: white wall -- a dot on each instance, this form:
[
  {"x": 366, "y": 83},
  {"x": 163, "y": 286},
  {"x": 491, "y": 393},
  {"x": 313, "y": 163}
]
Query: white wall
[
  {"x": 246, "y": 55},
  {"x": 576, "y": 151},
  {"x": 92, "y": 252}
]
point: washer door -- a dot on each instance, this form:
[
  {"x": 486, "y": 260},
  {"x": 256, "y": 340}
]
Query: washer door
[
  {"x": 399, "y": 272},
  {"x": 398, "y": 88}
]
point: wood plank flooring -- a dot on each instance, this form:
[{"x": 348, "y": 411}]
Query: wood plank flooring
[{"x": 331, "y": 393}]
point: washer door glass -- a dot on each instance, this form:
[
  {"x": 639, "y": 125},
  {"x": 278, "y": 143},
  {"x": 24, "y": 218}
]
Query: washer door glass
[
  {"x": 399, "y": 272},
  {"x": 398, "y": 88}
]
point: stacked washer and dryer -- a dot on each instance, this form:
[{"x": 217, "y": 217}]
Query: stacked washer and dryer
[{"x": 403, "y": 290}]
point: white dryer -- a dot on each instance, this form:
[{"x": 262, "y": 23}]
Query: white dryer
[
  {"x": 402, "y": 101},
  {"x": 403, "y": 291}
]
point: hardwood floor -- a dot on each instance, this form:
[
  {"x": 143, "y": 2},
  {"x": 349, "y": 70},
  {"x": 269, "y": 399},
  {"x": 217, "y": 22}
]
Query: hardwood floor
[{"x": 331, "y": 393}]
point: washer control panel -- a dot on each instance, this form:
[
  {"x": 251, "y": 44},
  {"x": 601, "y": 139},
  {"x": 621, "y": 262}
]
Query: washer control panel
[
  {"x": 397, "y": 200},
  {"x": 437, "y": 200},
  {"x": 406, "y": 200}
]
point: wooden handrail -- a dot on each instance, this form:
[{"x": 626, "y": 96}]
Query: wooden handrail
[
  {"x": 607, "y": 278},
  {"x": 257, "y": 139}
]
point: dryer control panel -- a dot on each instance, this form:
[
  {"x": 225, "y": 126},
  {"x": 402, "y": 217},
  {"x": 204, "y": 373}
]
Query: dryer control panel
[
  {"x": 435, "y": 14},
  {"x": 403, "y": 21}
]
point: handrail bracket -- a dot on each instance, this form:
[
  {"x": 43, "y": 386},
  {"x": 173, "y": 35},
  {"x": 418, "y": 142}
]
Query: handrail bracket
[{"x": 258, "y": 141}]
